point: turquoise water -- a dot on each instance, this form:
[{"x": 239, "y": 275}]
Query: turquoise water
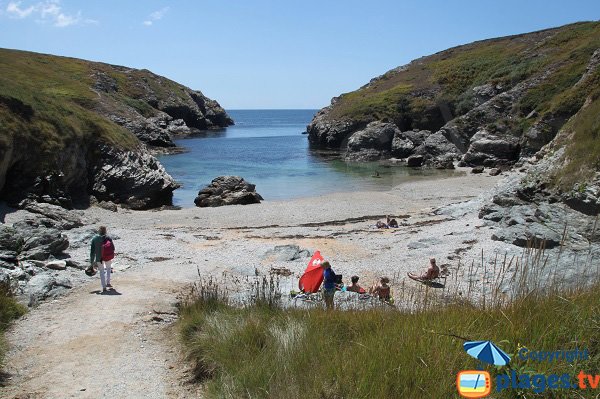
[{"x": 267, "y": 148}]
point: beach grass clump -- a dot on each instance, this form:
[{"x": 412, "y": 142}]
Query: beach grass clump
[
  {"x": 10, "y": 310},
  {"x": 582, "y": 147},
  {"x": 263, "y": 350}
]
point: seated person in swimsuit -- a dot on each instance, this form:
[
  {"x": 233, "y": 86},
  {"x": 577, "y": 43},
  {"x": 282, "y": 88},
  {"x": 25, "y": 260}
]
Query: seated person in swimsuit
[
  {"x": 382, "y": 290},
  {"x": 354, "y": 287},
  {"x": 432, "y": 272}
]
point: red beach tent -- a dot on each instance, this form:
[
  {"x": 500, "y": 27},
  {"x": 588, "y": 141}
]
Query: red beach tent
[{"x": 313, "y": 275}]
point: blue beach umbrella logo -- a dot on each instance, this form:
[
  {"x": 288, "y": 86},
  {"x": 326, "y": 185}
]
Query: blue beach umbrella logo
[{"x": 486, "y": 352}]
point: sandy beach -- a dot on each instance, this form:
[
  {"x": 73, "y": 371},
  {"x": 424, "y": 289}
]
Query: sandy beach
[{"x": 68, "y": 346}]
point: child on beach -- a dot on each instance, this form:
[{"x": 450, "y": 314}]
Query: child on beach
[
  {"x": 382, "y": 290},
  {"x": 354, "y": 287}
]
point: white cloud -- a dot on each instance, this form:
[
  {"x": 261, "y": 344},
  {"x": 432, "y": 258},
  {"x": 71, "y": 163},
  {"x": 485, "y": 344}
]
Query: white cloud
[
  {"x": 14, "y": 10},
  {"x": 155, "y": 16},
  {"x": 48, "y": 11}
]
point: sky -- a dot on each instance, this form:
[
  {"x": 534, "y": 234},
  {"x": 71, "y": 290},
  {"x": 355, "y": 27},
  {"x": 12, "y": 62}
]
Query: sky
[{"x": 270, "y": 54}]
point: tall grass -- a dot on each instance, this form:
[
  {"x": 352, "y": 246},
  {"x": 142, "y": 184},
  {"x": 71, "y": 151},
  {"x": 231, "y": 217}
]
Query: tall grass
[
  {"x": 267, "y": 348},
  {"x": 9, "y": 310}
]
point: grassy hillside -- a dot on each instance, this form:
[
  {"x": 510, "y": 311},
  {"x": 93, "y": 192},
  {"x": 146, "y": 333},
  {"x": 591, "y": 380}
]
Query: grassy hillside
[
  {"x": 51, "y": 99},
  {"x": 48, "y": 101},
  {"x": 581, "y": 139},
  {"x": 410, "y": 96}
]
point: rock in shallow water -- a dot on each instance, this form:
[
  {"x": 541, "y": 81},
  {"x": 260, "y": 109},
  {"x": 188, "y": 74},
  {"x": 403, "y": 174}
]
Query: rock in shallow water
[
  {"x": 414, "y": 161},
  {"x": 228, "y": 190}
]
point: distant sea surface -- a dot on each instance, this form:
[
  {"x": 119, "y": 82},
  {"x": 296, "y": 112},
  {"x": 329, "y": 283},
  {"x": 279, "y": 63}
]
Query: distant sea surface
[{"x": 268, "y": 149}]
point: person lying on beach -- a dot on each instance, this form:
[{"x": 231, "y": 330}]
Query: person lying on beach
[
  {"x": 382, "y": 290},
  {"x": 354, "y": 287},
  {"x": 381, "y": 225},
  {"x": 432, "y": 272}
]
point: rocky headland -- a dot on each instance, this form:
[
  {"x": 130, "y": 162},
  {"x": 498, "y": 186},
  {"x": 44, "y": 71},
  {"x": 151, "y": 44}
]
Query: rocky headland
[{"x": 75, "y": 131}]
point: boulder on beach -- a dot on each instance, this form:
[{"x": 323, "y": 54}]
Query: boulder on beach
[{"x": 228, "y": 190}]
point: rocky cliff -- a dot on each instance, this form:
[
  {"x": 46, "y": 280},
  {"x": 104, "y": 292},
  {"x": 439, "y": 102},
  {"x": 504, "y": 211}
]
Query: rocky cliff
[
  {"x": 71, "y": 129},
  {"x": 487, "y": 103}
]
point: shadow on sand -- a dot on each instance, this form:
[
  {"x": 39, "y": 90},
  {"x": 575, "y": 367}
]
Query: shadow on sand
[
  {"x": 433, "y": 284},
  {"x": 109, "y": 292}
]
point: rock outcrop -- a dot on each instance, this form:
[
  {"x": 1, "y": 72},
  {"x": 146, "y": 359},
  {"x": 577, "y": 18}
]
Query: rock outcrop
[
  {"x": 61, "y": 218},
  {"x": 133, "y": 178},
  {"x": 228, "y": 190},
  {"x": 324, "y": 132},
  {"x": 372, "y": 143}
]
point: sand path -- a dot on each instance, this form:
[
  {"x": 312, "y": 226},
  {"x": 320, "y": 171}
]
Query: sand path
[{"x": 125, "y": 345}]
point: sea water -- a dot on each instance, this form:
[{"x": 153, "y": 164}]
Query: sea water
[{"x": 267, "y": 148}]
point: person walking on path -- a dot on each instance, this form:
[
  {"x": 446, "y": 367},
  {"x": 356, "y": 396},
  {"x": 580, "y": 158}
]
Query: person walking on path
[{"x": 102, "y": 252}]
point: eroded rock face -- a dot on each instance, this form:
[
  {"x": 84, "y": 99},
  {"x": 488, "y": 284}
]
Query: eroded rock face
[
  {"x": 414, "y": 161},
  {"x": 584, "y": 198},
  {"x": 64, "y": 219},
  {"x": 228, "y": 190},
  {"x": 487, "y": 133},
  {"x": 490, "y": 150},
  {"x": 372, "y": 143},
  {"x": 402, "y": 146},
  {"x": 152, "y": 131},
  {"x": 31, "y": 239},
  {"x": 330, "y": 134},
  {"x": 436, "y": 147},
  {"x": 132, "y": 178}
]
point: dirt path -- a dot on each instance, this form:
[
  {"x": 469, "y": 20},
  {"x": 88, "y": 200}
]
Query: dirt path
[
  {"x": 125, "y": 345},
  {"x": 87, "y": 345}
]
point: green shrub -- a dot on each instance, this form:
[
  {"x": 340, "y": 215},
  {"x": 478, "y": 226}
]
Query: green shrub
[{"x": 10, "y": 310}]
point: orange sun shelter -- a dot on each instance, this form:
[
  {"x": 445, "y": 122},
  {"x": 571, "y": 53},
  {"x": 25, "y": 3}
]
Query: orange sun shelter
[{"x": 313, "y": 275}]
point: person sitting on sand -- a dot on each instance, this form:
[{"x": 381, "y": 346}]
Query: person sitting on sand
[
  {"x": 382, "y": 290},
  {"x": 432, "y": 272},
  {"x": 354, "y": 287},
  {"x": 392, "y": 223}
]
